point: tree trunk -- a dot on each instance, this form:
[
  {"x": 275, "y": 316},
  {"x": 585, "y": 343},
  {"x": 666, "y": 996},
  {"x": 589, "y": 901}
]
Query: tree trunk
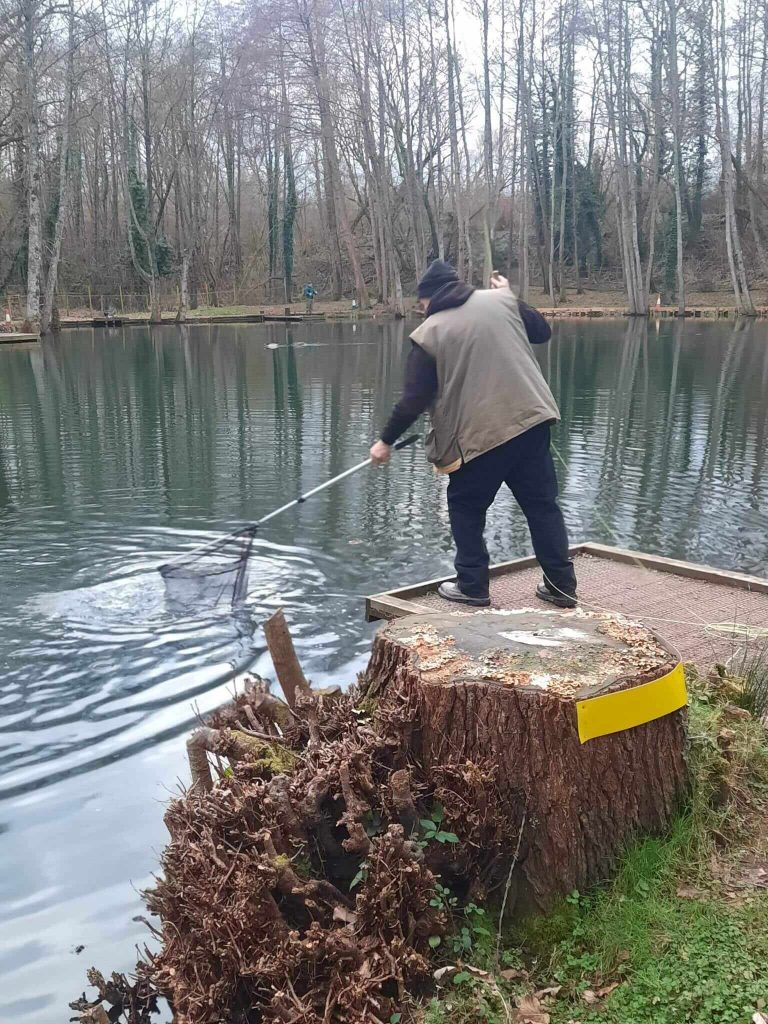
[
  {"x": 335, "y": 197},
  {"x": 64, "y": 182},
  {"x": 438, "y": 251},
  {"x": 718, "y": 43},
  {"x": 566, "y": 127},
  {"x": 181, "y": 315},
  {"x": 478, "y": 694},
  {"x": 489, "y": 213},
  {"x": 290, "y": 202},
  {"x": 615, "y": 53},
  {"x": 677, "y": 147},
  {"x": 466, "y": 184},
  {"x": 453, "y": 135},
  {"x": 155, "y": 307},
  {"x": 525, "y": 136},
  {"x": 658, "y": 131},
  {"x": 414, "y": 186},
  {"x": 34, "y": 168}
]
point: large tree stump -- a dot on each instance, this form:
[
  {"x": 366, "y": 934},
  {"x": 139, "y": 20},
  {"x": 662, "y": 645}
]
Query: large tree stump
[{"x": 502, "y": 687}]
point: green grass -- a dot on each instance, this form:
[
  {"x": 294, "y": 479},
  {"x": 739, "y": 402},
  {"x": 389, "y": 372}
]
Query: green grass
[
  {"x": 688, "y": 963},
  {"x": 682, "y": 949},
  {"x": 680, "y": 960}
]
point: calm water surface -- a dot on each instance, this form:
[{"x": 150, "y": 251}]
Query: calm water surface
[{"x": 121, "y": 449}]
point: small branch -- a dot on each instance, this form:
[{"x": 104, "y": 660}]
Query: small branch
[
  {"x": 507, "y": 887},
  {"x": 400, "y": 785},
  {"x": 199, "y": 766},
  {"x": 235, "y": 744}
]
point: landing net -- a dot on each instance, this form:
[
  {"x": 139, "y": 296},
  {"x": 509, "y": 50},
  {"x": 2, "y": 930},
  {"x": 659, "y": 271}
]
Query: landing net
[{"x": 211, "y": 576}]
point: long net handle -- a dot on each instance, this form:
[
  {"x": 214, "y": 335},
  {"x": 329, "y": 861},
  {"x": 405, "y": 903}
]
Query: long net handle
[{"x": 249, "y": 532}]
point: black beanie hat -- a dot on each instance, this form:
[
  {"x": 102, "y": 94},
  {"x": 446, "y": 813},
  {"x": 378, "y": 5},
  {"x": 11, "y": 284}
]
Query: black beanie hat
[{"x": 438, "y": 273}]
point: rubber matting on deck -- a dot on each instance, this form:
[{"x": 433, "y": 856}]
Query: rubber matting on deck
[{"x": 676, "y": 607}]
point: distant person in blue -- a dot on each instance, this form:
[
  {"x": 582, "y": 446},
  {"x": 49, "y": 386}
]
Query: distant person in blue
[{"x": 309, "y": 295}]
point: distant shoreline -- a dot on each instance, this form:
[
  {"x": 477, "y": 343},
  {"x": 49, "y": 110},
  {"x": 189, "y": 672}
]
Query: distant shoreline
[{"x": 589, "y": 305}]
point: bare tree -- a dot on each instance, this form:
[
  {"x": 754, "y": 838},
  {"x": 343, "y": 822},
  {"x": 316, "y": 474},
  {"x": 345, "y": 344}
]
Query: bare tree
[
  {"x": 166, "y": 155},
  {"x": 718, "y": 43}
]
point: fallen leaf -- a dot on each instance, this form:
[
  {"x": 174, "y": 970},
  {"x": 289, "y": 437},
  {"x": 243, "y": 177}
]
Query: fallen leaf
[
  {"x": 607, "y": 989},
  {"x": 590, "y": 997},
  {"x": 512, "y": 974},
  {"x": 551, "y": 991},
  {"x": 348, "y": 917},
  {"x": 477, "y": 971},
  {"x": 688, "y": 892},
  {"x": 732, "y": 711},
  {"x": 529, "y": 1011},
  {"x": 441, "y": 972},
  {"x": 759, "y": 1018}
]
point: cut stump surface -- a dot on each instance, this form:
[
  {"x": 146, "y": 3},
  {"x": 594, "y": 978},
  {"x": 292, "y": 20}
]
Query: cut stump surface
[{"x": 502, "y": 687}]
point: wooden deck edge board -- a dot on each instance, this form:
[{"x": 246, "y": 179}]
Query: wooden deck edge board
[
  {"x": 382, "y": 606},
  {"x": 691, "y": 570}
]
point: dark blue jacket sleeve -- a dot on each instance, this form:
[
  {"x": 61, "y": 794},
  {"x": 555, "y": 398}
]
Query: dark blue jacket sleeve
[
  {"x": 419, "y": 390},
  {"x": 536, "y": 327}
]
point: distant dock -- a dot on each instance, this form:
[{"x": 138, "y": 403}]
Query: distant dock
[
  {"x": 16, "y": 336},
  {"x": 654, "y": 313}
]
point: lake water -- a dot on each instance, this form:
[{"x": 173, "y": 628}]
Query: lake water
[{"x": 121, "y": 449}]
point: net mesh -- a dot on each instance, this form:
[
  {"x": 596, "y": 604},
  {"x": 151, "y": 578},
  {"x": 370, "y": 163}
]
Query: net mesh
[{"x": 211, "y": 576}]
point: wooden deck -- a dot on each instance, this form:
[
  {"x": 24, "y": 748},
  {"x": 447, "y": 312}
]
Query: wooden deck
[
  {"x": 13, "y": 337},
  {"x": 695, "y": 608}
]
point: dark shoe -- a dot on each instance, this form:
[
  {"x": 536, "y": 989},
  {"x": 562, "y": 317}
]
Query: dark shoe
[
  {"x": 451, "y": 592},
  {"x": 558, "y": 600}
]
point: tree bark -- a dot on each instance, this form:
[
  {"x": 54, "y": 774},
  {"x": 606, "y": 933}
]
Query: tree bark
[
  {"x": 677, "y": 147},
  {"x": 476, "y": 696},
  {"x": 30, "y": 17},
  {"x": 52, "y": 276},
  {"x": 181, "y": 315},
  {"x": 718, "y": 49},
  {"x": 489, "y": 212}
]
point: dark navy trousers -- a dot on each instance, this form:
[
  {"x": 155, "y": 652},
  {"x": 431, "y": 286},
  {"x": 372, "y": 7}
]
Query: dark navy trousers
[{"x": 525, "y": 465}]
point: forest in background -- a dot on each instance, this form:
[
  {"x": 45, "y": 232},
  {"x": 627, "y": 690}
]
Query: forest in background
[{"x": 183, "y": 149}]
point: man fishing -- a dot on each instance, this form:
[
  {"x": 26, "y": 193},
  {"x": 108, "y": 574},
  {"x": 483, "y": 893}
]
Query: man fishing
[{"x": 471, "y": 364}]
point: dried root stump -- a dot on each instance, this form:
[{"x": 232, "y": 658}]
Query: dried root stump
[
  {"x": 298, "y": 895},
  {"x": 299, "y": 883}
]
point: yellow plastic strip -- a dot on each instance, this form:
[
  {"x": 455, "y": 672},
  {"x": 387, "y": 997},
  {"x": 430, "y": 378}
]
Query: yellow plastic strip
[{"x": 615, "y": 712}]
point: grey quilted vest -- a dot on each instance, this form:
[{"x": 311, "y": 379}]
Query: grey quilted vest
[{"x": 490, "y": 387}]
